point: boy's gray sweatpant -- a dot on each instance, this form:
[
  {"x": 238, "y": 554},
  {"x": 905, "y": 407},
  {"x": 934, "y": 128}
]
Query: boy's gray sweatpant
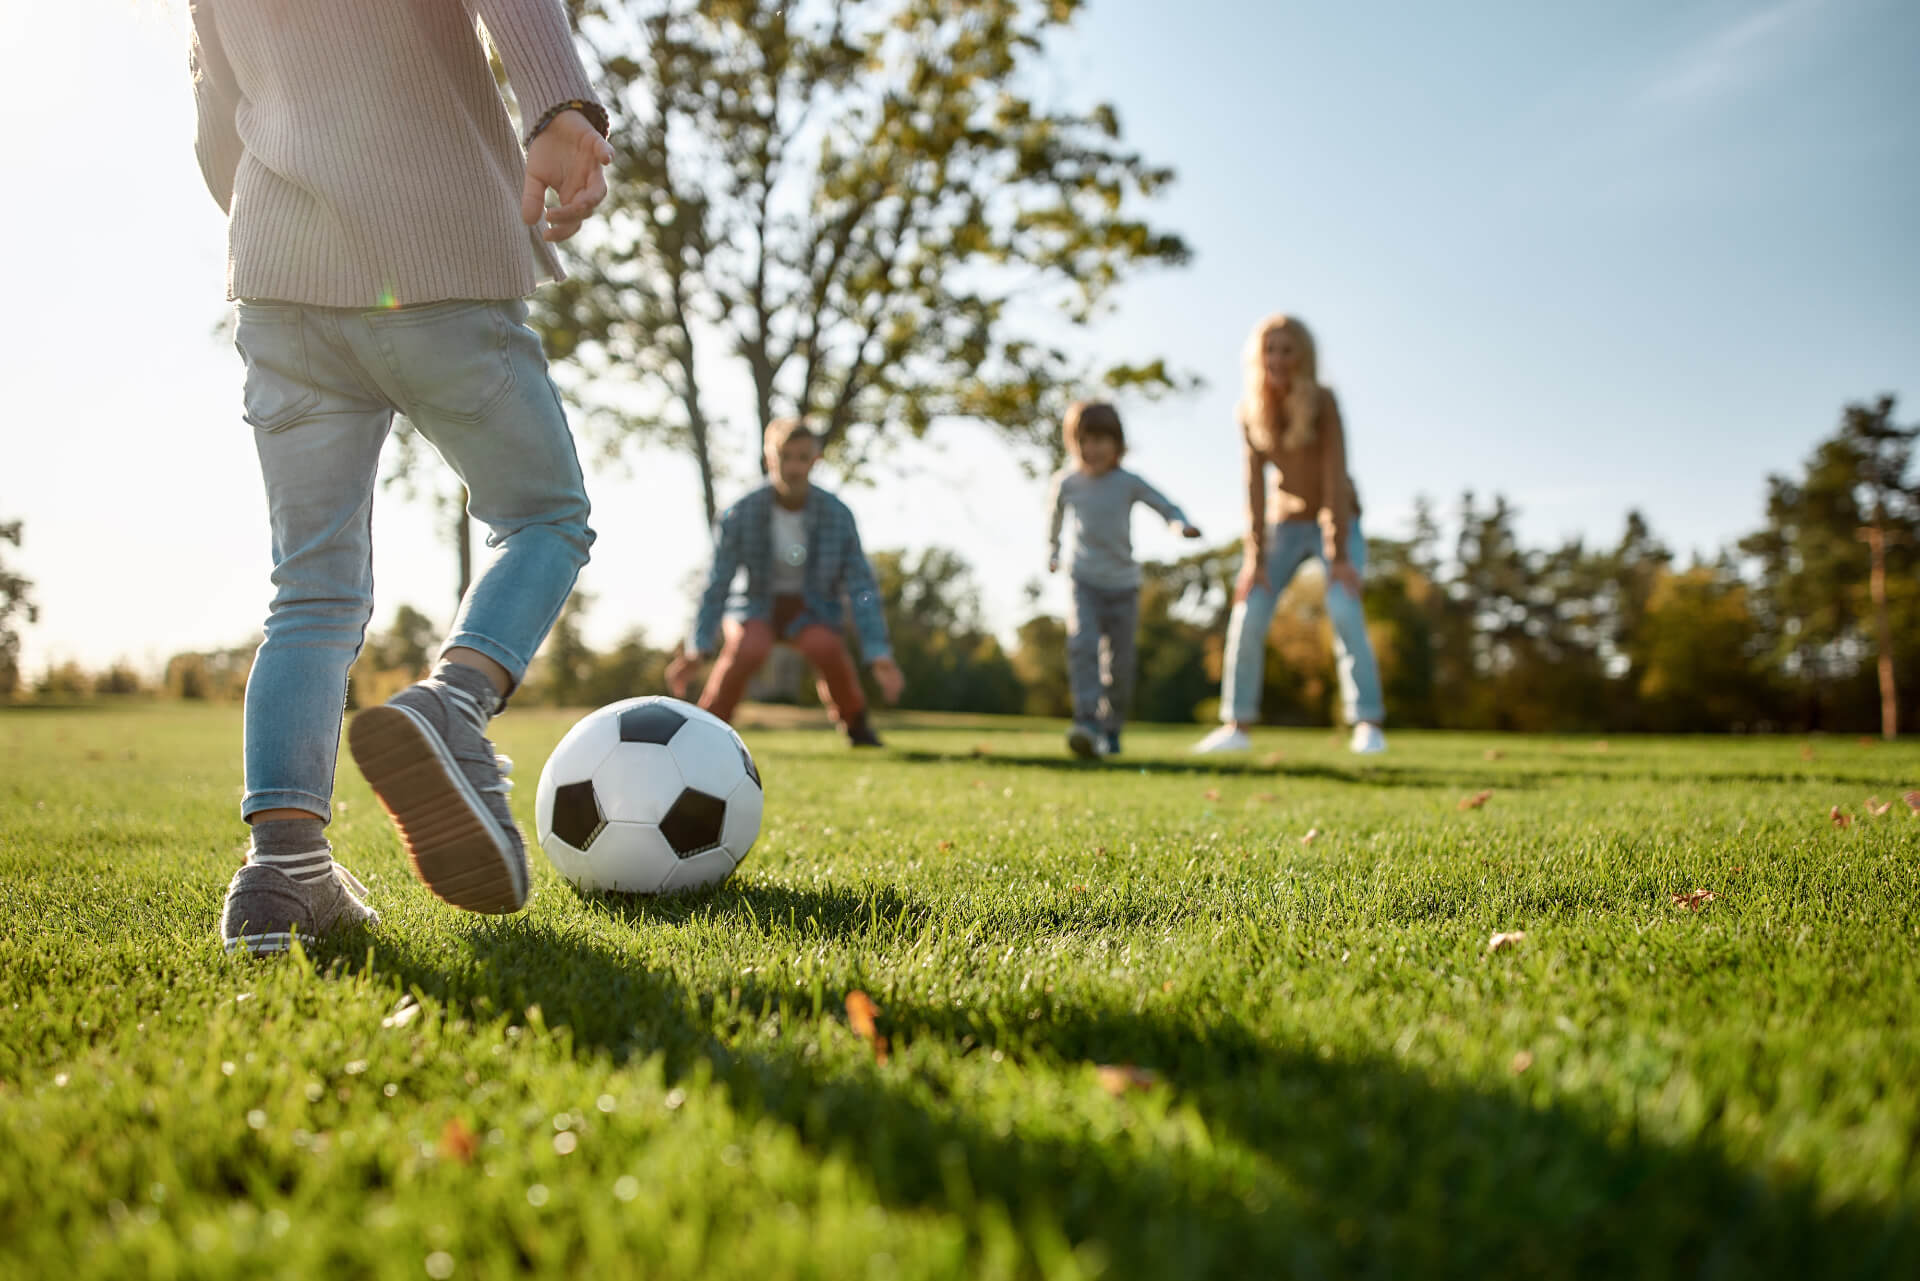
[{"x": 1100, "y": 653}]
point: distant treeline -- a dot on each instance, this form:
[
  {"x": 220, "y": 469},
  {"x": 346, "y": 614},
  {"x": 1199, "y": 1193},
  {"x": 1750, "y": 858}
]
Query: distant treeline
[{"x": 1473, "y": 631}]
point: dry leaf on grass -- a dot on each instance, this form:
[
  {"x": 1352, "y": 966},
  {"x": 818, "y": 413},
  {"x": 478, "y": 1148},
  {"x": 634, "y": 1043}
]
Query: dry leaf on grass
[
  {"x": 1522, "y": 1061},
  {"x": 1266, "y": 798},
  {"x": 1603, "y": 746},
  {"x": 945, "y": 846},
  {"x": 1117, "y": 1079},
  {"x": 404, "y": 1013},
  {"x": 1313, "y": 834},
  {"x": 1839, "y": 818},
  {"x": 1475, "y": 801},
  {"x": 861, "y": 1013},
  {"x": 1212, "y": 793},
  {"x": 1913, "y": 802},
  {"x": 1806, "y": 751},
  {"x": 1493, "y": 753},
  {"x": 1501, "y": 942},
  {"x": 1877, "y": 807},
  {"x": 1273, "y": 758},
  {"x": 1695, "y": 901},
  {"x": 458, "y": 1142}
]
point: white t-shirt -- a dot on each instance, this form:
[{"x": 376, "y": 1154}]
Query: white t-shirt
[{"x": 789, "y": 551}]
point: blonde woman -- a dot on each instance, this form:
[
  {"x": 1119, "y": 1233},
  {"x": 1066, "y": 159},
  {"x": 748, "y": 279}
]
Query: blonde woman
[{"x": 1290, "y": 422}]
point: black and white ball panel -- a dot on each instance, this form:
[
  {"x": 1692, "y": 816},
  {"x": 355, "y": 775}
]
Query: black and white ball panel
[
  {"x": 577, "y": 816},
  {"x": 649, "y": 795},
  {"x": 639, "y": 783}
]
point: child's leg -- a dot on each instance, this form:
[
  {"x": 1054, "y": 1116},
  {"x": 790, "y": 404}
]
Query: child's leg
[
  {"x": 1119, "y": 623},
  {"x": 473, "y": 379},
  {"x": 1083, "y": 653},
  {"x": 742, "y": 654},
  {"x": 318, "y": 433},
  {"x": 1352, "y": 648},
  {"x": 826, "y": 649}
]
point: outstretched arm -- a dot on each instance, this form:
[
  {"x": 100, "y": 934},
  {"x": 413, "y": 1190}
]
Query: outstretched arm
[
  {"x": 1253, "y": 566},
  {"x": 1145, "y": 493},
  {"x": 216, "y": 96},
  {"x": 1336, "y": 498},
  {"x": 1336, "y": 516},
  {"x": 713, "y": 598},
  {"x": 1056, "y": 517}
]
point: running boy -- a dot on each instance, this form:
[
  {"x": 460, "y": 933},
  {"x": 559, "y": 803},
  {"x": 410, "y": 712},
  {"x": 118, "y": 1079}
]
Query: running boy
[
  {"x": 378, "y": 249},
  {"x": 1100, "y": 494}
]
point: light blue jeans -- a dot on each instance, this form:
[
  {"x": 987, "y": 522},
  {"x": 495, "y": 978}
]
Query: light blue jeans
[
  {"x": 322, "y": 388},
  {"x": 1289, "y": 545}
]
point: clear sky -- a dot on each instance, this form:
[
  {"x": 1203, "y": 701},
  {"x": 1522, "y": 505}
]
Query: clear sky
[{"x": 1591, "y": 256}]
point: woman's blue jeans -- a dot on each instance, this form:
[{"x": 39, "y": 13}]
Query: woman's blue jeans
[
  {"x": 1289, "y": 545},
  {"x": 323, "y": 385}
]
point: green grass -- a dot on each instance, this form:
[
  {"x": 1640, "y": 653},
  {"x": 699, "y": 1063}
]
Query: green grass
[{"x": 1349, "y": 1084}]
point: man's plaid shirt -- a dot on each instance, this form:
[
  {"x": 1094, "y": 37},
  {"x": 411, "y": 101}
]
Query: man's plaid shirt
[{"x": 837, "y": 572}]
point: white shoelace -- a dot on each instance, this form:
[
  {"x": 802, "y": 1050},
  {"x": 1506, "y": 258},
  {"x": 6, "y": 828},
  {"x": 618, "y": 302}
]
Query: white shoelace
[
  {"x": 349, "y": 881},
  {"x": 477, "y": 717}
]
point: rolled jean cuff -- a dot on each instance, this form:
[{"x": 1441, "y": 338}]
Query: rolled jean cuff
[
  {"x": 516, "y": 666},
  {"x": 286, "y": 799}
]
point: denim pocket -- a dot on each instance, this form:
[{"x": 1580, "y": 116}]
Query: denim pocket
[
  {"x": 448, "y": 359},
  {"x": 273, "y": 343}
]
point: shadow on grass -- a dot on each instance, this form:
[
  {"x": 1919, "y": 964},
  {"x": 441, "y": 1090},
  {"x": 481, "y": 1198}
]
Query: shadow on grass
[
  {"x": 1295, "y": 1163},
  {"x": 1369, "y": 775}
]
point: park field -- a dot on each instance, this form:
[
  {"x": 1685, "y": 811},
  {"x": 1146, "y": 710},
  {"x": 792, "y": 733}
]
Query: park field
[{"x": 1153, "y": 1017}]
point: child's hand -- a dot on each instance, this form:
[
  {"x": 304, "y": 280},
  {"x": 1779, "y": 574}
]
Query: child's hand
[
  {"x": 566, "y": 156},
  {"x": 1189, "y": 531},
  {"x": 1053, "y": 565}
]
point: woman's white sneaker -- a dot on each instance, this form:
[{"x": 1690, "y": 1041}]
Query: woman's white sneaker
[
  {"x": 1368, "y": 740},
  {"x": 1228, "y": 738}
]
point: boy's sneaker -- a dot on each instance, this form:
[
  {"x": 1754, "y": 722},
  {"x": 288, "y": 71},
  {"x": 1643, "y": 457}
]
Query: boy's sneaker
[
  {"x": 1113, "y": 742},
  {"x": 1367, "y": 740},
  {"x": 266, "y": 908},
  {"x": 425, "y": 754},
  {"x": 860, "y": 734},
  {"x": 1084, "y": 741},
  {"x": 1225, "y": 739}
]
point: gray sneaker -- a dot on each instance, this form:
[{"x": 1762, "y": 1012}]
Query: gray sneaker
[
  {"x": 426, "y": 755},
  {"x": 265, "y": 908}
]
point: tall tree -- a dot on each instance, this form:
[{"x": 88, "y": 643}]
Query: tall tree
[
  {"x": 863, "y": 206},
  {"x": 1885, "y": 451},
  {"x": 16, "y": 603},
  {"x": 1815, "y": 598}
]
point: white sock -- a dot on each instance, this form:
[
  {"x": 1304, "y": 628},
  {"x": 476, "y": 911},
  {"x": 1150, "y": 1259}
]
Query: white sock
[{"x": 296, "y": 846}]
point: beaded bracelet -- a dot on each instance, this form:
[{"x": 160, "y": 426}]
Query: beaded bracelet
[{"x": 595, "y": 113}]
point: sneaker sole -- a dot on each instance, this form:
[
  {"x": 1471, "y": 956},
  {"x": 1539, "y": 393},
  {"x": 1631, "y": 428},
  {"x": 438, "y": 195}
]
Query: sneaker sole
[
  {"x": 453, "y": 844},
  {"x": 1082, "y": 745},
  {"x": 261, "y": 944}
]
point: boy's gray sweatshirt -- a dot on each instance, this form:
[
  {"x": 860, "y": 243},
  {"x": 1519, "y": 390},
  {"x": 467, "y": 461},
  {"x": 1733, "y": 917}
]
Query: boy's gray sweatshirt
[{"x": 1101, "y": 551}]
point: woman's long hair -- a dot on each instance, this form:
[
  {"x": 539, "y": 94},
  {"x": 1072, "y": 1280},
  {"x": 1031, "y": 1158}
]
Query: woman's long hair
[{"x": 1265, "y": 420}]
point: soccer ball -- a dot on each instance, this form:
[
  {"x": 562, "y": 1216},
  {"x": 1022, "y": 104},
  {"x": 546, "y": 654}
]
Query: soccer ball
[{"x": 648, "y": 796}]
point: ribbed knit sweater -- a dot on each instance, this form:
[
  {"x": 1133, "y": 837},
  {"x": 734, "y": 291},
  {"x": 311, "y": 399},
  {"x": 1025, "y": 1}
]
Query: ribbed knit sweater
[{"x": 361, "y": 148}]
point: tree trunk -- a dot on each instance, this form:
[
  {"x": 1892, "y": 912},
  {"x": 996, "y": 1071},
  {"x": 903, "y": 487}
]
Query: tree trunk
[
  {"x": 1876, "y": 538},
  {"x": 703, "y": 459},
  {"x": 463, "y": 543}
]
